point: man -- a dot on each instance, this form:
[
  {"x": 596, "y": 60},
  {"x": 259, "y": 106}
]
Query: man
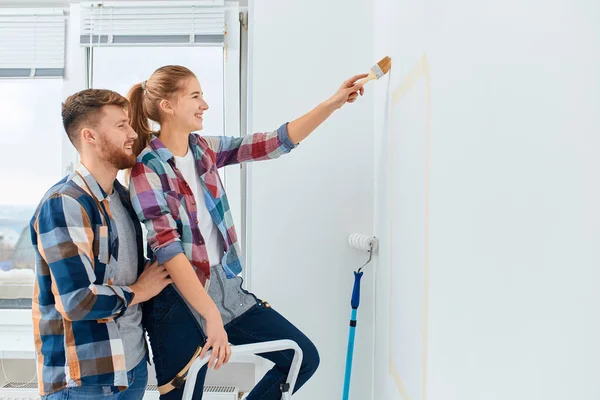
[{"x": 86, "y": 306}]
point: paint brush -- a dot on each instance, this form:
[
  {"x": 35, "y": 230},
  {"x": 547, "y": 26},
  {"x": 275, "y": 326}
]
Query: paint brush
[{"x": 378, "y": 70}]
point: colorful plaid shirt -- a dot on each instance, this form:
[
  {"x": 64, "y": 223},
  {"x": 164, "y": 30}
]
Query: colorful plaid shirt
[
  {"x": 166, "y": 205},
  {"x": 75, "y": 303}
]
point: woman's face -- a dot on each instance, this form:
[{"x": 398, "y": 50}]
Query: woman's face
[{"x": 190, "y": 106}]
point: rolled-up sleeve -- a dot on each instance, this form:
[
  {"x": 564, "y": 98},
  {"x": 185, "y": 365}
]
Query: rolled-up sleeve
[
  {"x": 151, "y": 207},
  {"x": 254, "y": 147}
]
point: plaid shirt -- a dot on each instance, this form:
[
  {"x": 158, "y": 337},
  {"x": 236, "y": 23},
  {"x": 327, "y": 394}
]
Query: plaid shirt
[
  {"x": 166, "y": 205},
  {"x": 74, "y": 303}
]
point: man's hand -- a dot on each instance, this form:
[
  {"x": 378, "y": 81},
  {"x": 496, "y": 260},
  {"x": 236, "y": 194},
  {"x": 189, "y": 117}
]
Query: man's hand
[
  {"x": 347, "y": 93},
  {"x": 150, "y": 283}
]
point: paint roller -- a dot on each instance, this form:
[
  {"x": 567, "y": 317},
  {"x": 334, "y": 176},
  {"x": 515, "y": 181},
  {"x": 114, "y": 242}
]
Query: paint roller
[
  {"x": 363, "y": 242},
  {"x": 366, "y": 243}
]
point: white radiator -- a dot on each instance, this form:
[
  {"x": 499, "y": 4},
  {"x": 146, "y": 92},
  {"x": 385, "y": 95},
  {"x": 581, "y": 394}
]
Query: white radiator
[
  {"x": 28, "y": 391},
  {"x": 221, "y": 393}
]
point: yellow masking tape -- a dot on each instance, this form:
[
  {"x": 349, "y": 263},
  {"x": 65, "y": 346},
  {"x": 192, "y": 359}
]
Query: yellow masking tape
[{"x": 419, "y": 71}]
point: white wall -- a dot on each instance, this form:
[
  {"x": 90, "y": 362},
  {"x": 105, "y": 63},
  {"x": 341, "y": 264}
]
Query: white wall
[
  {"x": 514, "y": 222},
  {"x": 304, "y": 206}
]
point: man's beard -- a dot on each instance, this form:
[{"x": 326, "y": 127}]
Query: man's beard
[{"x": 117, "y": 157}]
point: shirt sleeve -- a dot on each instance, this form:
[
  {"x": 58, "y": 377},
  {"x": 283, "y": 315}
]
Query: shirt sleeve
[
  {"x": 65, "y": 240},
  {"x": 254, "y": 147},
  {"x": 151, "y": 207}
]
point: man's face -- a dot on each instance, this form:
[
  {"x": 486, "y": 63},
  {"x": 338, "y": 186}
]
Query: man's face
[{"x": 115, "y": 138}]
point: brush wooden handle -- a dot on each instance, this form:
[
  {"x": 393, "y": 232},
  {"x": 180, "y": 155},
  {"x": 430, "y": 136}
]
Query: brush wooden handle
[{"x": 367, "y": 79}]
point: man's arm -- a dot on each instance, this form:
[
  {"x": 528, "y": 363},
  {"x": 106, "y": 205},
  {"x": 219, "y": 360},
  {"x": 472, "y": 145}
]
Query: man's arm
[{"x": 65, "y": 240}]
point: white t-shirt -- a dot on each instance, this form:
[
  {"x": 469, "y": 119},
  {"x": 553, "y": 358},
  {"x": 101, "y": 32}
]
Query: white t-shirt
[{"x": 208, "y": 229}]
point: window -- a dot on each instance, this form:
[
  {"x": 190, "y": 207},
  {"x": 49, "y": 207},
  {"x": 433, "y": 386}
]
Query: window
[{"x": 31, "y": 137}]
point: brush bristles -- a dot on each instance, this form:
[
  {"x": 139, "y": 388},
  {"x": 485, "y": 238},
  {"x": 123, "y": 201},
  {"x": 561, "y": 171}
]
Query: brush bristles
[
  {"x": 383, "y": 67},
  {"x": 385, "y": 64}
]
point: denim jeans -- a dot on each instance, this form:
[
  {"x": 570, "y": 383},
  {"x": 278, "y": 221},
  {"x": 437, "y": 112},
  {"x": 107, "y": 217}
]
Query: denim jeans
[
  {"x": 175, "y": 335},
  {"x": 137, "y": 378}
]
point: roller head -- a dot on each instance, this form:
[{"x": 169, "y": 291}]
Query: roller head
[{"x": 362, "y": 242}]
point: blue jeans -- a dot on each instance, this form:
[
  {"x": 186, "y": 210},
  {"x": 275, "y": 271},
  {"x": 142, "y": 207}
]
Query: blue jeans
[
  {"x": 175, "y": 335},
  {"x": 137, "y": 378}
]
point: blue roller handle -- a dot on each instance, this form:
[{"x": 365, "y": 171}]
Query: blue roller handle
[
  {"x": 350, "y": 353},
  {"x": 356, "y": 291}
]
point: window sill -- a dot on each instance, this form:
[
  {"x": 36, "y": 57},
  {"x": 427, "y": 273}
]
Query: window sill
[{"x": 16, "y": 335}]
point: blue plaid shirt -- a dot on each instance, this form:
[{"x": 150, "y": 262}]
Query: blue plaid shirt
[{"x": 75, "y": 303}]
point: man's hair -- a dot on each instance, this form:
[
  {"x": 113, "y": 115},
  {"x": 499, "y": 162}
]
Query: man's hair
[{"x": 85, "y": 108}]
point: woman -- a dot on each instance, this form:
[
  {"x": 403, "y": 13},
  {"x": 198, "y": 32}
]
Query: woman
[{"x": 177, "y": 193}]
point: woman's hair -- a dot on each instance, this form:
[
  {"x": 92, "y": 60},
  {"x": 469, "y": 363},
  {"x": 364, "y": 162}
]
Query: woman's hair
[{"x": 145, "y": 97}]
